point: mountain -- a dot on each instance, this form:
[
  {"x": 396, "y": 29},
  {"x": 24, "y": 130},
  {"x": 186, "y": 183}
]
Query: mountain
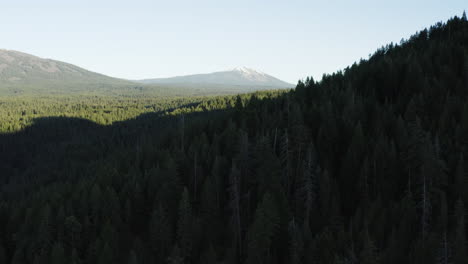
[
  {"x": 240, "y": 77},
  {"x": 22, "y": 73},
  {"x": 25, "y": 73}
]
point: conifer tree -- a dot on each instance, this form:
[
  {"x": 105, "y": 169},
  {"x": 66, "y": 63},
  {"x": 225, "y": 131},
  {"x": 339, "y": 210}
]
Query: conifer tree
[
  {"x": 132, "y": 259},
  {"x": 460, "y": 252},
  {"x": 234, "y": 204},
  {"x": 262, "y": 231},
  {"x": 106, "y": 255},
  {"x": 3, "y": 257},
  {"x": 184, "y": 225},
  {"x": 160, "y": 232},
  {"x": 58, "y": 254}
]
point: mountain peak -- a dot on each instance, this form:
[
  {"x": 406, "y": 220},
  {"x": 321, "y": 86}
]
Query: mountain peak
[
  {"x": 242, "y": 69},
  {"x": 239, "y": 76},
  {"x": 246, "y": 70}
]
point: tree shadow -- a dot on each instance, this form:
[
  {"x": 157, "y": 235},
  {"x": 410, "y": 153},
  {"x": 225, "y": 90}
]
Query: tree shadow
[{"x": 36, "y": 155}]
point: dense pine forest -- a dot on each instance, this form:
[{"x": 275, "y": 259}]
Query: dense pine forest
[
  {"x": 19, "y": 112},
  {"x": 367, "y": 165}
]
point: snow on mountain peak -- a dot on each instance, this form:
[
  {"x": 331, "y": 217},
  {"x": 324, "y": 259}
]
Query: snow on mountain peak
[
  {"x": 247, "y": 71},
  {"x": 234, "y": 76}
]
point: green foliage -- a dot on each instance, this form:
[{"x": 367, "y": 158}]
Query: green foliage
[
  {"x": 460, "y": 254},
  {"x": 19, "y": 112},
  {"x": 184, "y": 225},
  {"x": 58, "y": 254},
  {"x": 262, "y": 231},
  {"x": 365, "y": 166}
]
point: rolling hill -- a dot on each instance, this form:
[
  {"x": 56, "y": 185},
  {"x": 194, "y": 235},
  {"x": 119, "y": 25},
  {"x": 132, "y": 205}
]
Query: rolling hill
[{"x": 22, "y": 73}]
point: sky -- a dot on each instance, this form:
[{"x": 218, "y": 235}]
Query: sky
[{"x": 289, "y": 39}]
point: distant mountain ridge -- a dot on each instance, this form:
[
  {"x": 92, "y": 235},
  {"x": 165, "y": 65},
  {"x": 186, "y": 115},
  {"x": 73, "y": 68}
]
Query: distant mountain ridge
[
  {"x": 241, "y": 76},
  {"x": 23, "y": 73}
]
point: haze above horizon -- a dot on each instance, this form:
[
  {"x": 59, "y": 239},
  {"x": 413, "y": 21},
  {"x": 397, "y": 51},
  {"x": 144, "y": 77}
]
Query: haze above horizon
[{"x": 155, "y": 39}]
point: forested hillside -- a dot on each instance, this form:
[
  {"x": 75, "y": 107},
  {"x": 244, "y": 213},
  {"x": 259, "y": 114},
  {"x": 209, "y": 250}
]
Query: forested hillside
[{"x": 368, "y": 165}]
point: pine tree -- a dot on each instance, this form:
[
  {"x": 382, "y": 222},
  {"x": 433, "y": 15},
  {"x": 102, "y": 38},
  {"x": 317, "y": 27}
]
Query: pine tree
[
  {"x": 209, "y": 209},
  {"x": 351, "y": 165},
  {"x": 160, "y": 233},
  {"x": 176, "y": 256},
  {"x": 285, "y": 158},
  {"x": 234, "y": 205},
  {"x": 444, "y": 254},
  {"x": 44, "y": 235},
  {"x": 73, "y": 231},
  {"x": 425, "y": 204},
  {"x": 460, "y": 179},
  {"x": 182, "y": 131},
  {"x": 93, "y": 251},
  {"x": 209, "y": 256},
  {"x": 75, "y": 259},
  {"x": 460, "y": 252},
  {"x": 3, "y": 257},
  {"x": 262, "y": 231},
  {"x": 295, "y": 243},
  {"x": 106, "y": 255},
  {"x": 307, "y": 189},
  {"x": 369, "y": 254},
  {"x": 184, "y": 225},
  {"x": 18, "y": 257},
  {"x": 132, "y": 259},
  {"x": 58, "y": 254}
]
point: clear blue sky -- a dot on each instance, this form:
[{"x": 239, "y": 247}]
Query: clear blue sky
[{"x": 143, "y": 39}]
